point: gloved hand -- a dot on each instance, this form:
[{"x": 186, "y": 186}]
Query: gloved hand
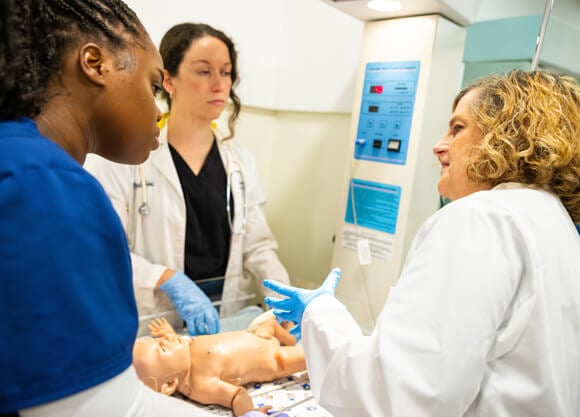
[
  {"x": 255, "y": 414},
  {"x": 292, "y": 308},
  {"x": 192, "y": 304}
]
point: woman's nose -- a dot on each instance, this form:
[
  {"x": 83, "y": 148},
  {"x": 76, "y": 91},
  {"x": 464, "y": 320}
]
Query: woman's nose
[
  {"x": 218, "y": 82},
  {"x": 441, "y": 146}
]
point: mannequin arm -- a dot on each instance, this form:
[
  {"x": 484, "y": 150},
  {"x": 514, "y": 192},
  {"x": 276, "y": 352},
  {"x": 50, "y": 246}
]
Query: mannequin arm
[
  {"x": 266, "y": 326},
  {"x": 242, "y": 402},
  {"x": 213, "y": 390}
]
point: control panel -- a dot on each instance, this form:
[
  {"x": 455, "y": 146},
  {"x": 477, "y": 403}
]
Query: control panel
[{"x": 386, "y": 111}]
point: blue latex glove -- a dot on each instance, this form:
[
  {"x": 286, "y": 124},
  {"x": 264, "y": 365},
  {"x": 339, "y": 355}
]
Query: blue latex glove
[
  {"x": 255, "y": 414},
  {"x": 192, "y": 304},
  {"x": 292, "y": 307}
]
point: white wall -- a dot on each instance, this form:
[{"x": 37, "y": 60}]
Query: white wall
[
  {"x": 295, "y": 55},
  {"x": 301, "y": 158}
]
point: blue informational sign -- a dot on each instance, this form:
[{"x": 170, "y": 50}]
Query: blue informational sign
[
  {"x": 376, "y": 205},
  {"x": 386, "y": 111}
]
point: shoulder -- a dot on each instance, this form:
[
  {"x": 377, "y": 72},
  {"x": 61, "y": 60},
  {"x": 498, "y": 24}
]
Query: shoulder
[
  {"x": 238, "y": 150},
  {"x": 480, "y": 213},
  {"x": 23, "y": 148},
  {"x": 505, "y": 201},
  {"x": 510, "y": 212},
  {"x": 497, "y": 202},
  {"x": 38, "y": 178}
]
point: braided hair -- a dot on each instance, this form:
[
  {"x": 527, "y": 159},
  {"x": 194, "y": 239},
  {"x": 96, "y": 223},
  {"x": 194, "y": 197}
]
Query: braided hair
[{"x": 36, "y": 34}]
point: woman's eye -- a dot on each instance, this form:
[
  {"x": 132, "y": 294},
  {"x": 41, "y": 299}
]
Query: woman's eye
[
  {"x": 203, "y": 72},
  {"x": 157, "y": 90},
  {"x": 456, "y": 129},
  {"x": 226, "y": 73}
]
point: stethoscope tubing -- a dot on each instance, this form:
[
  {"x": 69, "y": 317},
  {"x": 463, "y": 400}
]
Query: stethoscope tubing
[{"x": 145, "y": 209}]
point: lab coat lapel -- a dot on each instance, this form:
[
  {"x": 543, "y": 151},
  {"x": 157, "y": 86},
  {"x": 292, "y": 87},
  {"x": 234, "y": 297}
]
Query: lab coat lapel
[
  {"x": 163, "y": 162},
  {"x": 234, "y": 271}
]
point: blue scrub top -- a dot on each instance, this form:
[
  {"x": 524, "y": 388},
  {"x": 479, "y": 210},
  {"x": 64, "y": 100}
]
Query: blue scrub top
[{"x": 68, "y": 314}]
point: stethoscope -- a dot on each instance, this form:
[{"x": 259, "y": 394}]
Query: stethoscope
[
  {"x": 233, "y": 175},
  {"x": 144, "y": 208}
]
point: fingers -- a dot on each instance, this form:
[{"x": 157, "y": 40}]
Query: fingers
[
  {"x": 207, "y": 323},
  {"x": 192, "y": 328},
  {"x": 213, "y": 323},
  {"x": 279, "y": 303},
  {"x": 285, "y": 315},
  {"x": 264, "y": 409},
  {"x": 296, "y": 331},
  {"x": 279, "y": 287},
  {"x": 156, "y": 326},
  {"x": 331, "y": 280},
  {"x": 201, "y": 326}
]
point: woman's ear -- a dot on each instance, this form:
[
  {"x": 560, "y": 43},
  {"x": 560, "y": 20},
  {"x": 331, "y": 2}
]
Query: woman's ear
[
  {"x": 168, "y": 83},
  {"x": 169, "y": 387},
  {"x": 92, "y": 62}
]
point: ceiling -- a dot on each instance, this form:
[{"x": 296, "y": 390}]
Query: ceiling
[{"x": 463, "y": 12}]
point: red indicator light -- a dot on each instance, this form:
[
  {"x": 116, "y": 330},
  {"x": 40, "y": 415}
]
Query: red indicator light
[{"x": 376, "y": 89}]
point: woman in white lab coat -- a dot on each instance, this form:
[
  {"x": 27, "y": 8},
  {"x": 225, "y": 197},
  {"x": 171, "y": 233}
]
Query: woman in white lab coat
[
  {"x": 485, "y": 318},
  {"x": 193, "y": 211}
]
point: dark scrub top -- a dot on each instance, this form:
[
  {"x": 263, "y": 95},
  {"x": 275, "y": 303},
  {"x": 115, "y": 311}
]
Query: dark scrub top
[
  {"x": 207, "y": 230},
  {"x": 67, "y": 304}
]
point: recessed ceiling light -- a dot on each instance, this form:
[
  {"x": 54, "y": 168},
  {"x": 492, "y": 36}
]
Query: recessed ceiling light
[{"x": 384, "y": 5}]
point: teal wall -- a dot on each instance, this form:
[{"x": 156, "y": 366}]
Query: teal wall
[
  {"x": 497, "y": 46},
  {"x": 475, "y": 70}
]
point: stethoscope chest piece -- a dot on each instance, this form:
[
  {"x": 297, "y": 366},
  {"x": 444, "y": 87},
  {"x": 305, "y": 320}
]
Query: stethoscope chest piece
[{"x": 144, "y": 209}]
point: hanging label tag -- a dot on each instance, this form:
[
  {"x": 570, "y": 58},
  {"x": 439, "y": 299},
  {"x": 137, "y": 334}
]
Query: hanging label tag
[{"x": 364, "y": 251}]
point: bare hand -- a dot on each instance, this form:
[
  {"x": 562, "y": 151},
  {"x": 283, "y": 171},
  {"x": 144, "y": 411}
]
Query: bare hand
[{"x": 160, "y": 327}]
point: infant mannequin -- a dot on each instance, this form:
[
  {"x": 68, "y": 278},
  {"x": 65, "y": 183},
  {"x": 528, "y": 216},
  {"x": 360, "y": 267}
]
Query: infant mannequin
[{"x": 211, "y": 369}]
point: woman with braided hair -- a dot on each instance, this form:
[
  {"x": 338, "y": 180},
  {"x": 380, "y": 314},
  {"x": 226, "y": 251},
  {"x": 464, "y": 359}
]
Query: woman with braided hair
[{"x": 78, "y": 76}]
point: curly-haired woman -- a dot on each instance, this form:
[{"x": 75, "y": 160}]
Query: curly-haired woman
[{"x": 485, "y": 318}]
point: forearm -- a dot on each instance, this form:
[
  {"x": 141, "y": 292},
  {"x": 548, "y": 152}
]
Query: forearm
[
  {"x": 146, "y": 274},
  {"x": 168, "y": 273},
  {"x": 241, "y": 402}
]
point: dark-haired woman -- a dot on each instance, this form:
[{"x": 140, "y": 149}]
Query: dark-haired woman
[{"x": 193, "y": 212}]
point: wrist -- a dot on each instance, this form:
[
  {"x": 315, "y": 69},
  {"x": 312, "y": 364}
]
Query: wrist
[
  {"x": 176, "y": 283},
  {"x": 168, "y": 273}
]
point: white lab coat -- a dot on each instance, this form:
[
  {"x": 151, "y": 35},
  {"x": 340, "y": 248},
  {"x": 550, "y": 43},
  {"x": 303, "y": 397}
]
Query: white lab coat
[
  {"x": 157, "y": 240},
  {"x": 124, "y": 395},
  {"x": 484, "y": 321}
]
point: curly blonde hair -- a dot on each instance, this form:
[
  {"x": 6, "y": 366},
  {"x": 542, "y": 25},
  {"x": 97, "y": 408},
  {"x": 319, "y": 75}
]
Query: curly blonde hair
[{"x": 531, "y": 127}]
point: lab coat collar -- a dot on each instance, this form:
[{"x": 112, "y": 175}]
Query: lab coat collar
[
  {"x": 519, "y": 185},
  {"x": 162, "y": 161}
]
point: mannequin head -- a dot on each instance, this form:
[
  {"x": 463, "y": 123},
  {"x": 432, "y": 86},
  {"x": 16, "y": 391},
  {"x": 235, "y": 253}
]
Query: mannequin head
[{"x": 162, "y": 363}]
